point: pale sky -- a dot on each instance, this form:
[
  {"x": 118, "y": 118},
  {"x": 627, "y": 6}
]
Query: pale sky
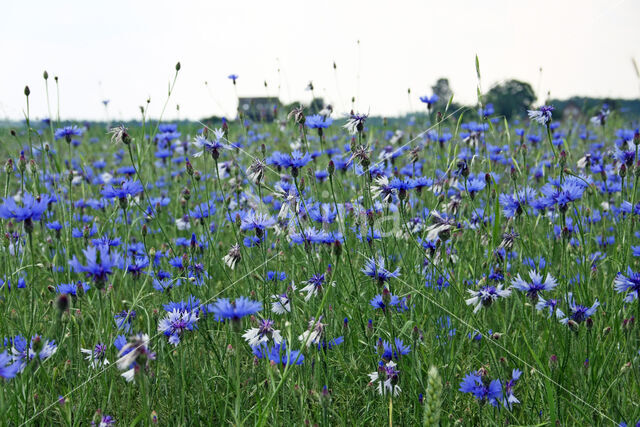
[{"x": 125, "y": 51}]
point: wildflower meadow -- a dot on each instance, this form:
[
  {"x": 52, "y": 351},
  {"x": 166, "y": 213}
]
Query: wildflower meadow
[{"x": 449, "y": 267}]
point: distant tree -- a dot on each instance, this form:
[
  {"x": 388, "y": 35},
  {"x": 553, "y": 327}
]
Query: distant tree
[
  {"x": 511, "y": 97},
  {"x": 442, "y": 89}
]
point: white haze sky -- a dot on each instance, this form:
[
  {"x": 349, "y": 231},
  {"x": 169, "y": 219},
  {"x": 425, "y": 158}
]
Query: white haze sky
[{"x": 125, "y": 51}]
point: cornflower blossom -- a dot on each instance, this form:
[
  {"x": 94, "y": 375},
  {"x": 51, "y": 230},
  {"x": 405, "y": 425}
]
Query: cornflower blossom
[
  {"x": 381, "y": 189},
  {"x": 317, "y": 121},
  {"x": 514, "y": 204},
  {"x": 211, "y": 147},
  {"x": 278, "y": 354},
  {"x": 255, "y": 171},
  {"x": 601, "y": 117},
  {"x": 394, "y": 351},
  {"x": 386, "y": 378},
  {"x": 375, "y": 269},
  {"x": 481, "y": 388},
  {"x": 31, "y": 210},
  {"x": 568, "y": 192},
  {"x": 42, "y": 349},
  {"x": 257, "y": 221},
  {"x": 441, "y": 227},
  {"x": 124, "y": 319},
  {"x": 235, "y": 310},
  {"x": 123, "y": 190},
  {"x": 67, "y": 132},
  {"x": 176, "y": 322},
  {"x": 355, "y": 123},
  {"x": 233, "y": 256},
  {"x": 133, "y": 355},
  {"x": 629, "y": 283},
  {"x": 100, "y": 263},
  {"x": 508, "y": 388},
  {"x": 429, "y": 100},
  {"x": 105, "y": 421},
  {"x": 262, "y": 334},
  {"x": 8, "y": 367},
  {"x": 536, "y": 285},
  {"x": 314, "y": 334},
  {"x": 282, "y": 303},
  {"x": 378, "y": 302},
  {"x": 579, "y": 313},
  {"x": 549, "y": 305},
  {"x": 542, "y": 115},
  {"x": 96, "y": 356},
  {"x": 486, "y": 295},
  {"x": 314, "y": 286}
]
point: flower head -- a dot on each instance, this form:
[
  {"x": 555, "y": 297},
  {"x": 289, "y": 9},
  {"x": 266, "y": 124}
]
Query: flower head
[
  {"x": 536, "y": 285},
  {"x": 486, "y": 295},
  {"x": 386, "y": 378},
  {"x": 542, "y": 115},
  {"x": 629, "y": 283},
  {"x": 235, "y": 310}
]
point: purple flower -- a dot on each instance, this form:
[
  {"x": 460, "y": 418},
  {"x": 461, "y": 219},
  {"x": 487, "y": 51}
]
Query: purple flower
[
  {"x": 535, "y": 285},
  {"x": 31, "y": 209},
  {"x": 235, "y": 310},
  {"x": 629, "y": 283},
  {"x": 477, "y": 385},
  {"x": 542, "y": 115}
]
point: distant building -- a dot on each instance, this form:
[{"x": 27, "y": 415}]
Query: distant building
[{"x": 259, "y": 109}]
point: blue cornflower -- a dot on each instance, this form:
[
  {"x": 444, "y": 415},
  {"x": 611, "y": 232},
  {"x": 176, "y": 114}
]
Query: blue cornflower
[
  {"x": 379, "y": 301},
  {"x": 71, "y": 288},
  {"x": 513, "y": 205},
  {"x": 355, "y": 123},
  {"x": 299, "y": 160},
  {"x": 106, "y": 241},
  {"x": 550, "y": 304},
  {"x": 31, "y": 209},
  {"x": 211, "y": 147},
  {"x": 257, "y": 221},
  {"x": 100, "y": 263},
  {"x": 475, "y": 185},
  {"x": 486, "y": 295},
  {"x": 8, "y": 367},
  {"x": 542, "y": 115},
  {"x": 233, "y": 77},
  {"x": 629, "y": 283},
  {"x": 387, "y": 378},
  {"x": 235, "y": 310},
  {"x": 317, "y": 121},
  {"x": 429, "y": 100},
  {"x": 43, "y": 349},
  {"x": 475, "y": 384},
  {"x": 278, "y": 354},
  {"x": 508, "y": 388},
  {"x": 568, "y": 192},
  {"x": 579, "y": 313},
  {"x": 67, "y": 132},
  {"x": 376, "y": 270},
  {"x": 390, "y": 352},
  {"x": 175, "y": 323},
  {"x": 313, "y": 286},
  {"x": 96, "y": 356},
  {"x": 536, "y": 285},
  {"x": 126, "y": 188},
  {"x": 124, "y": 319}
]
